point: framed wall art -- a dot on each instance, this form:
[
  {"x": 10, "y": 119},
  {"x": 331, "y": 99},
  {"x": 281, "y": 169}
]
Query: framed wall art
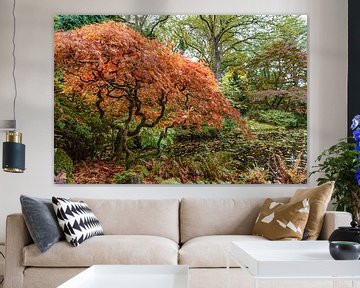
[{"x": 180, "y": 99}]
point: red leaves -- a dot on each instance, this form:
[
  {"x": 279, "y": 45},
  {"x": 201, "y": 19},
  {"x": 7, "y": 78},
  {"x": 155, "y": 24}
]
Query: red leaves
[{"x": 122, "y": 64}]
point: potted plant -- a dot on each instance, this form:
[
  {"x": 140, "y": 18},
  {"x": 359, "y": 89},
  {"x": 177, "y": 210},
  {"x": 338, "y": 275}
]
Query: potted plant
[{"x": 341, "y": 163}]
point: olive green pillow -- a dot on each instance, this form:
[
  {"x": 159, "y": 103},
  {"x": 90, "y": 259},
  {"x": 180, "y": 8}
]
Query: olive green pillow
[
  {"x": 279, "y": 221},
  {"x": 319, "y": 198}
]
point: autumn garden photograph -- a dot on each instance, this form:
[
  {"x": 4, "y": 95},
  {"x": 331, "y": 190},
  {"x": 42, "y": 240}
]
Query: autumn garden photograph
[{"x": 180, "y": 99}]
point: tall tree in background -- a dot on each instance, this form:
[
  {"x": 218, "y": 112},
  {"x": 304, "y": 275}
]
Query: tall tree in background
[
  {"x": 144, "y": 24},
  {"x": 291, "y": 29},
  {"x": 280, "y": 62},
  {"x": 279, "y": 66},
  {"x": 218, "y": 39},
  {"x": 137, "y": 83},
  {"x": 273, "y": 70}
]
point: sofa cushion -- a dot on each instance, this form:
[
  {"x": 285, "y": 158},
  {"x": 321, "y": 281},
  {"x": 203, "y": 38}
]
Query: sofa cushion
[
  {"x": 279, "y": 221},
  {"x": 201, "y": 217},
  {"x": 158, "y": 217},
  {"x": 211, "y": 251},
  {"x": 35, "y": 277},
  {"x": 77, "y": 220},
  {"x": 107, "y": 249},
  {"x": 319, "y": 198},
  {"x": 41, "y": 221}
]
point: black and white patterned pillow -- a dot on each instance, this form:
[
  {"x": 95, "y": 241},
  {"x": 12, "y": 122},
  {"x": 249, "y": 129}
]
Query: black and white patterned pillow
[{"x": 77, "y": 220}]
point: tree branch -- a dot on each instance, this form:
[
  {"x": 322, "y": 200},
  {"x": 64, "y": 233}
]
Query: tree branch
[
  {"x": 162, "y": 101},
  {"x": 156, "y": 24},
  {"x": 99, "y": 100}
]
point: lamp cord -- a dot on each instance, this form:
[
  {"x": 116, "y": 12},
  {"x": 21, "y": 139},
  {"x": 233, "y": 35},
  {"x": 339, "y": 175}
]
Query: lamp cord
[
  {"x": 2, "y": 280},
  {"x": 14, "y": 60}
]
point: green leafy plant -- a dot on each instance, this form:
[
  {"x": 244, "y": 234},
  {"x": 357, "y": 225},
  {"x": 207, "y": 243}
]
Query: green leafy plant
[
  {"x": 150, "y": 138},
  {"x": 63, "y": 164},
  {"x": 339, "y": 163},
  {"x": 127, "y": 177},
  {"x": 79, "y": 131},
  {"x": 171, "y": 181},
  {"x": 277, "y": 118}
]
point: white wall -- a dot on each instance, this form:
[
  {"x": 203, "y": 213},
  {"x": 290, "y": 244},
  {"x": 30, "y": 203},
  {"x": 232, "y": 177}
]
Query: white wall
[{"x": 327, "y": 89}]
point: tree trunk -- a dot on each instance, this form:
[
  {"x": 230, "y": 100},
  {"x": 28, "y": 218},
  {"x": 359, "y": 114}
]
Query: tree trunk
[
  {"x": 217, "y": 61},
  {"x": 355, "y": 201},
  {"x": 119, "y": 142},
  {"x": 121, "y": 151},
  {"x": 163, "y": 135}
]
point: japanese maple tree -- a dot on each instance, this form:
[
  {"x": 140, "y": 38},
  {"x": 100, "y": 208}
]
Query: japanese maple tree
[{"x": 138, "y": 83}]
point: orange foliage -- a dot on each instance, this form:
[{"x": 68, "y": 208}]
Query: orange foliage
[{"x": 138, "y": 81}]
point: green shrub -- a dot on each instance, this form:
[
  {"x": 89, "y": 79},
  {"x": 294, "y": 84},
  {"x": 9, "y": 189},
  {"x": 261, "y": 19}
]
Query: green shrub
[
  {"x": 68, "y": 22},
  {"x": 127, "y": 177},
  {"x": 292, "y": 100},
  {"x": 141, "y": 170},
  {"x": 229, "y": 124},
  {"x": 63, "y": 163},
  {"x": 150, "y": 137},
  {"x": 197, "y": 134},
  {"x": 171, "y": 181},
  {"x": 207, "y": 132},
  {"x": 211, "y": 167},
  {"x": 234, "y": 86},
  {"x": 277, "y": 118},
  {"x": 79, "y": 130}
]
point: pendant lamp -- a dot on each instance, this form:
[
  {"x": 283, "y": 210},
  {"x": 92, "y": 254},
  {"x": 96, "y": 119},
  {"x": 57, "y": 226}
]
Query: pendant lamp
[{"x": 13, "y": 159}]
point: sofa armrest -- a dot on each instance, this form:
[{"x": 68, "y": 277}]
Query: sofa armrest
[
  {"x": 17, "y": 237},
  {"x": 333, "y": 220}
]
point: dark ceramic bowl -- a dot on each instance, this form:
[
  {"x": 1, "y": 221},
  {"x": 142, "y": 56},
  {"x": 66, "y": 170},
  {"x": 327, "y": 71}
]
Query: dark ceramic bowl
[{"x": 344, "y": 250}]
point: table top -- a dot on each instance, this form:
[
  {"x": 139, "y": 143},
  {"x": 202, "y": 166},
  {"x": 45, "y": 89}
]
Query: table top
[
  {"x": 131, "y": 276},
  {"x": 291, "y": 259}
]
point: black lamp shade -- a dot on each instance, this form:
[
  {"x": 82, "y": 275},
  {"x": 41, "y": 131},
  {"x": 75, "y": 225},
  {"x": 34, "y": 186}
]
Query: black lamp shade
[{"x": 13, "y": 157}]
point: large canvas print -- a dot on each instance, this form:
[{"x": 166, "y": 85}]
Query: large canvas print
[{"x": 180, "y": 99}]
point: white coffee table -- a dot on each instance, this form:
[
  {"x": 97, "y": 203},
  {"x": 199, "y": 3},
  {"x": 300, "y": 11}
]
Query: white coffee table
[
  {"x": 292, "y": 260},
  {"x": 131, "y": 276}
]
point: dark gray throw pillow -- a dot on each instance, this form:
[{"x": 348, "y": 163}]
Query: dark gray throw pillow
[{"x": 41, "y": 221}]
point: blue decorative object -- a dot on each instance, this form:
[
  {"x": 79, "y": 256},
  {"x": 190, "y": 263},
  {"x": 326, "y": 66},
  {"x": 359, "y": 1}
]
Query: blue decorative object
[
  {"x": 357, "y": 176},
  {"x": 355, "y": 122},
  {"x": 356, "y": 134},
  {"x": 357, "y": 147}
]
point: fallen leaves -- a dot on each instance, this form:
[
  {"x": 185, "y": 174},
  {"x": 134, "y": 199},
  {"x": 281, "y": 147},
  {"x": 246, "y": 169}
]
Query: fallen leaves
[{"x": 96, "y": 172}]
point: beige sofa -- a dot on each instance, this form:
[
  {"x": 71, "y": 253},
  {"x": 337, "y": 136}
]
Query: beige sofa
[{"x": 194, "y": 232}]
